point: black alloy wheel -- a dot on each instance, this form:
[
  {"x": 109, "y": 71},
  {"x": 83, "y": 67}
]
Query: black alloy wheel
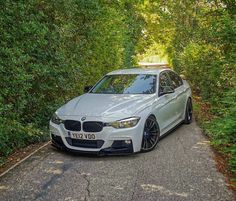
[
  {"x": 151, "y": 134},
  {"x": 189, "y": 112}
]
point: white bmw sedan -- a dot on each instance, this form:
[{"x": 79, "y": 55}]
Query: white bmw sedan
[{"x": 127, "y": 111}]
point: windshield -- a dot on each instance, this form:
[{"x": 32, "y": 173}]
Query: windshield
[{"x": 126, "y": 84}]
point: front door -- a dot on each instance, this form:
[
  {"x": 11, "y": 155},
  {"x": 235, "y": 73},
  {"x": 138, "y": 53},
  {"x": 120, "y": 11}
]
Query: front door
[{"x": 165, "y": 108}]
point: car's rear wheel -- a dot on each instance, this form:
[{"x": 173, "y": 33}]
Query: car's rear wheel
[
  {"x": 151, "y": 134},
  {"x": 189, "y": 112}
]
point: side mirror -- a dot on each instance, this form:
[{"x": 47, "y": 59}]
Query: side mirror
[
  {"x": 87, "y": 89},
  {"x": 183, "y": 76},
  {"x": 167, "y": 90}
]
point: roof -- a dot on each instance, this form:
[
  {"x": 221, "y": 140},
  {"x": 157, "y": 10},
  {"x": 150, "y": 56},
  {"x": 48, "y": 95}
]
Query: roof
[{"x": 138, "y": 71}]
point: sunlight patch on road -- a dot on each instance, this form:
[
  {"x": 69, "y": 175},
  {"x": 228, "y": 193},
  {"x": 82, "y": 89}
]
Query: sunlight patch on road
[
  {"x": 4, "y": 188},
  {"x": 57, "y": 162},
  {"x": 85, "y": 174},
  {"x": 118, "y": 188},
  {"x": 54, "y": 171},
  {"x": 201, "y": 144},
  {"x": 208, "y": 179},
  {"x": 205, "y": 142},
  {"x": 69, "y": 199},
  {"x": 161, "y": 189}
]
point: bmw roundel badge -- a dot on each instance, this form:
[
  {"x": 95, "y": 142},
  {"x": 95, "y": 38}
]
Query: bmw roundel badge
[{"x": 83, "y": 118}]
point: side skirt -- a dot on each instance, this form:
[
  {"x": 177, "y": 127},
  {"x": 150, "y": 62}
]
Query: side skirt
[{"x": 171, "y": 130}]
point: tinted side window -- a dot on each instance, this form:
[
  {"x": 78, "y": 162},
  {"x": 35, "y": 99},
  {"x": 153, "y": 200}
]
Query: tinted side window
[
  {"x": 164, "y": 81},
  {"x": 175, "y": 79}
]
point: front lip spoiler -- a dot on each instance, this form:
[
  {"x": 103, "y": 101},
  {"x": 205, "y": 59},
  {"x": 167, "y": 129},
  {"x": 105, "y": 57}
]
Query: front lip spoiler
[
  {"x": 112, "y": 151},
  {"x": 103, "y": 152}
]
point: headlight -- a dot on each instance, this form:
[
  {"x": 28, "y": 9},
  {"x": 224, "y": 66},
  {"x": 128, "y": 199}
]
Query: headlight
[
  {"x": 125, "y": 123},
  {"x": 56, "y": 120}
]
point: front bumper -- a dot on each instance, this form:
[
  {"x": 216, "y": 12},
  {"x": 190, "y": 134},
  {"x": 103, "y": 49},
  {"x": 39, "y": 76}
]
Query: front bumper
[
  {"x": 113, "y": 150},
  {"x": 114, "y": 141}
]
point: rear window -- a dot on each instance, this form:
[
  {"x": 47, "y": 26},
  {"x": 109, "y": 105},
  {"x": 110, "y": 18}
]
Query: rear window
[{"x": 175, "y": 79}]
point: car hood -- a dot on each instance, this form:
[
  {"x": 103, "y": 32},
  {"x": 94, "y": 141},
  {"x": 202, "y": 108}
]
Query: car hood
[{"x": 106, "y": 105}]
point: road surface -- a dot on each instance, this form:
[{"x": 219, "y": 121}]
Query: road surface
[{"x": 180, "y": 168}]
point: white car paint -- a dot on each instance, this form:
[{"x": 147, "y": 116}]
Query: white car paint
[{"x": 169, "y": 110}]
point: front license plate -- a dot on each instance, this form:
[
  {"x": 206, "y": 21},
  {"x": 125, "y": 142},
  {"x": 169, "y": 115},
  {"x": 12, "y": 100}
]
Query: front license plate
[{"x": 83, "y": 136}]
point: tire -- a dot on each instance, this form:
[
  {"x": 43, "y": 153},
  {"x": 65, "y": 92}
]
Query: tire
[
  {"x": 189, "y": 112},
  {"x": 151, "y": 134}
]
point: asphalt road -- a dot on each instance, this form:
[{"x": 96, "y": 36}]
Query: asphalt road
[{"x": 180, "y": 168}]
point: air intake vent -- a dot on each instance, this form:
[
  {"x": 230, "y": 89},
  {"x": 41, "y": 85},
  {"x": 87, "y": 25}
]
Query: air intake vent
[{"x": 85, "y": 143}]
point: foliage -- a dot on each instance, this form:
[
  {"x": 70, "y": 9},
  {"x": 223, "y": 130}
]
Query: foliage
[
  {"x": 49, "y": 51},
  {"x": 199, "y": 38},
  {"x": 223, "y": 128}
]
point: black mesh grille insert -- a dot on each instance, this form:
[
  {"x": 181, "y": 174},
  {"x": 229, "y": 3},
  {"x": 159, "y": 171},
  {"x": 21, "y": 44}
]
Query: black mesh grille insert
[
  {"x": 72, "y": 125},
  {"x": 92, "y": 126},
  {"x": 85, "y": 143},
  {"x": 57, "y": 139}
]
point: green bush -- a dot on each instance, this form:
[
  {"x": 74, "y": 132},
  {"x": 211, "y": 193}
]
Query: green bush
[
  {"x": 14, "y": 135},
  {"x": 208, "y": 61},
  {"x": 49, "y": 51},
  {"x": 200, "y": 39},
  {"x": 223, "y": 129}
]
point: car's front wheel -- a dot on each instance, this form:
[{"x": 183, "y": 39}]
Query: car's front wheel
[
  {"x": 151, "y": 134},
  {"x": 189, "y": 112}
]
